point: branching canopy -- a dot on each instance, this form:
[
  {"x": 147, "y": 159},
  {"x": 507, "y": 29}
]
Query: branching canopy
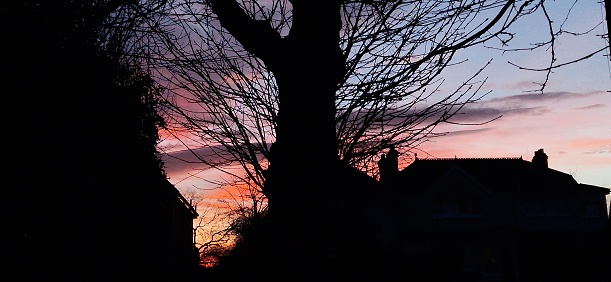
[{"x": 220, "y": 62}]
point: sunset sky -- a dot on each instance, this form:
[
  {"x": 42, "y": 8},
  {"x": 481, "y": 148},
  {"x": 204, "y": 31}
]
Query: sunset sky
[{"x": 571, "y": 120}]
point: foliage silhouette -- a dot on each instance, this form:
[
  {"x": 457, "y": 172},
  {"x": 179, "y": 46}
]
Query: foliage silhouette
[{"x": 93, "y": 205}]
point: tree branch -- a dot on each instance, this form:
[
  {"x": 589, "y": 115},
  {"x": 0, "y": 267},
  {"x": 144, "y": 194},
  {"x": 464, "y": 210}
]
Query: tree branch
[
  {"x": 551, "y": 67},
  {"x": 256, "y": 36}
]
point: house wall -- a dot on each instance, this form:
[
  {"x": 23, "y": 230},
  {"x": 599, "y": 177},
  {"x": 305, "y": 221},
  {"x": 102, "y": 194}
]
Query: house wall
[{"x": 519, "y": 232}]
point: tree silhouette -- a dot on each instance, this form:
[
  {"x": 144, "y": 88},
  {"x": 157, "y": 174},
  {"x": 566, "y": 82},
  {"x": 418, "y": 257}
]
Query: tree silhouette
[
  {"x": 328, "y": 83},
  {"x": 225, "y": 221},
  {"x": 229, "y": 62},
  {"x": 89, "y": 206}
]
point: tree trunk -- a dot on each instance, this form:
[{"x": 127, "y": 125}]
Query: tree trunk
[
  {"x": 306, "y": 144},
  {"x": 302, "y": 180}
]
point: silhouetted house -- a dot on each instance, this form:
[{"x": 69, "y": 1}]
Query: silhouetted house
[
  {"x": 130, "y": 231},
  {"x": 493, "y": 219},
  {"x": 177, "y": 250},
  {"x": 165, "y": 235}
]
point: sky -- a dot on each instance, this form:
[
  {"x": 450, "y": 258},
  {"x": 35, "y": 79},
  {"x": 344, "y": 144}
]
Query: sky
[{"x": 570, "y": 120}]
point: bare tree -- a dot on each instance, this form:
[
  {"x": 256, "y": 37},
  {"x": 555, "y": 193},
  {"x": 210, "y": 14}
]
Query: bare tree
[
  {"x": 225, "y": 220},
  {"x": 229, "y": 63},
  {"x": 209, "y": 229},
  {"x": 326, "y": 82}
]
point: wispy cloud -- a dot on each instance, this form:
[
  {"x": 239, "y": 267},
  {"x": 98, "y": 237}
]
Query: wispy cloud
[
  {"x": 185, "y": 161},
  {"x": 590, "y": 107},
  {"x": 471, "y": 113},
  {"x": 468, "y": 131},
  {"x": 521, "y": 105},
  {"x": 203, "y": 157},
  {"x": 536, "y": 97},
  {"x": 599, "y": 151},
  {"x": 479, "y": 114},
  {"x": 533, "y": 111},
  {"x": 544, "y": 97}
]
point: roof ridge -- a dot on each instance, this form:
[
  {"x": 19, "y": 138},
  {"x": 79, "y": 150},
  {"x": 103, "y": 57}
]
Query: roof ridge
[{"x": 477, "y": 158}]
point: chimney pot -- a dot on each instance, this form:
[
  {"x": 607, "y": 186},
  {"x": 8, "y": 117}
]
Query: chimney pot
[{"x": 540, "y": 159}]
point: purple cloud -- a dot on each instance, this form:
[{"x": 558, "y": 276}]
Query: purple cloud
[{"x": 595, "y": 106}]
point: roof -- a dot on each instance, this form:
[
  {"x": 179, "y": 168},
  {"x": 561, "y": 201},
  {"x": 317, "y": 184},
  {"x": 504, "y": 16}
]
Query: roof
[
  {"x": 180, "y": 198},
  {"x": 496, "y": 174}
]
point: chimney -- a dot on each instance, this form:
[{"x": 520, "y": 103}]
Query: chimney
[
  {"x": 389, "y": 165},
  {"x": 393, "y": 160},
  {"x": 383, "y": 167},
  {"x": 540, "y": 159}
]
